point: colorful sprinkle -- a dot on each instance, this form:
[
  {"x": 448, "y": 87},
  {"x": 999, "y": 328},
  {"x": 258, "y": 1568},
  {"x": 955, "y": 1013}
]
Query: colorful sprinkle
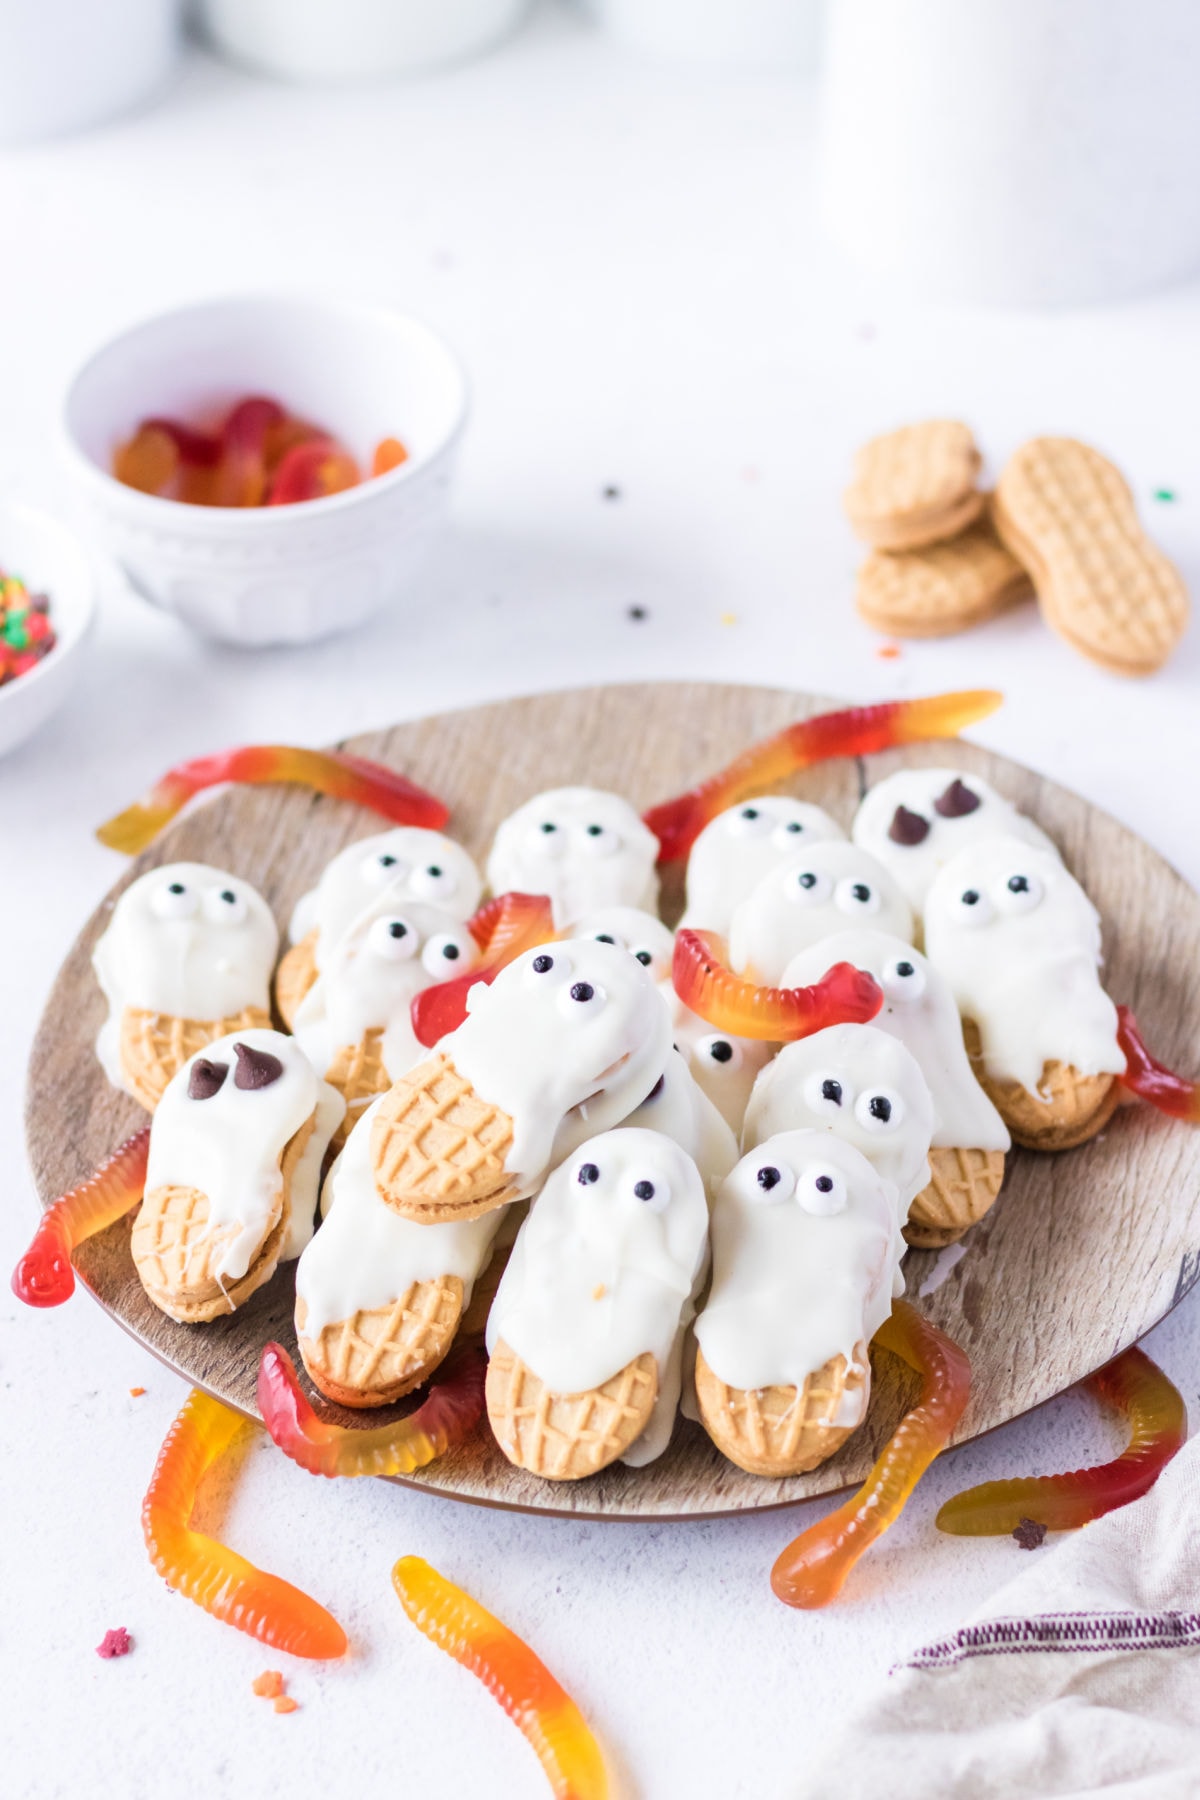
[
  {"x": 268, "y": 1685},
  {"x": 1030, "y": 1533},
  {"x": 114, "y": 1643}
]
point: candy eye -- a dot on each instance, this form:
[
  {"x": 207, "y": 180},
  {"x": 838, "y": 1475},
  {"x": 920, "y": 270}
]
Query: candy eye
[
  {"x": 856, "y": 897},
  {"x": 827, "y": 1094},
  {"x": 1019, "y": 894},
  {"x": 644, "y": 956},
  {"x": 448, "y": 954},
  {"x": 582, "y": 997},
  {"x": 788, "y": 835},
  {"x": 600, "y": 840},
  {"x": 717, "y": 1049},
  {"x": 656, "y": 1194},
  {"x": 807, "y": 888},
  {"x": 546, "y": 841},
  {"x": 393, "y": 939},
  {"x": 586, "y": 1174},
  {"x": 903, "y": 979},
  {"x": 971, "y": 907},
  {"x": 433, "y": 882},
  {"x": 821, "y": 1191},
  {"x": 174, "y": 900},
  {"x": 770, "y": 1183},
  {"x": 879, "y": 1109},
  {"x": 379, "y": 870},
  {"x": 748, "y": 821},
  {"x": 610, "y": 937},
  {"x": 225, "y": 906}
]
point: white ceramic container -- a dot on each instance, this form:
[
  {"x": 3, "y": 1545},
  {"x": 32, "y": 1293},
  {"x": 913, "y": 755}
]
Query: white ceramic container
[
  {"x": 49, "y": 560},
  {"x": 68, "y": 64},
  {"x": 730, "y": 34},
  {"x": 280, "y": 574},
  {"x": 1027, "y": 152},
  {"x": 353, "y": 40}
]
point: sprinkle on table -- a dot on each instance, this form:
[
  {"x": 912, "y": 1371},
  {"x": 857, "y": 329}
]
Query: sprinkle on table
[
  {"x": 268, "y": 1685},
  {"x": 610, "y": 493},
  {"x": 1030, "y": 1534},
  {"x": 136, "y": 1393},
  {"x": 114, "y": 1643},
  {"x": 637, "y": 613},
  {"x": 729, "y": 618},
  {"x": 1167, "y": 495},
  {"x": 285, "y": 1704},
  {"x": 888, "y": 652}
]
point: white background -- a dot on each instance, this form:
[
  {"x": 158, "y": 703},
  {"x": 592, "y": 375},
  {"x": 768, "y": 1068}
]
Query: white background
[{"x": 626, "y": 260}]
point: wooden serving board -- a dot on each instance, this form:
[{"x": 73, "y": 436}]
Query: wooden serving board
[{"x": 1082, "y": 1254}]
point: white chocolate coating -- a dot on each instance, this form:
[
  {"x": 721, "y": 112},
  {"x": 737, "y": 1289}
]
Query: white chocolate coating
[
  {"x": 306, "y": 1176},
  {"x": 681, "y": 1110},
  {"x": 641, "y": 933},
  {"x": 832, "y": 886},
  {"x": 408, "y": 863},
  {"x": 862, "y": 1085},
  {"x": 1023, "y": 962},
  {"x": 724, "y": 1066},
  {"x": 793, "y": 1286},
  {"x": 914, "y": 866},
  {"x": 177, "y": 944},
  {"x": 229, "y": 1145},
  {"x": 599, "y": 1276},
  {"x": 743, "y": 844},
  {"x": 918, "y": 1009},
  {"x": 584, "y": 848},
  {"x": 365, "y": 1255}
]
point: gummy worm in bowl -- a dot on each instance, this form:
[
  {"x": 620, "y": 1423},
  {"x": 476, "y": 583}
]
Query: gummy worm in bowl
[
  {"x": 1151, "y": 1080},
  {"x": 853, "y": 731},
  {"x": 503, "y": 928},
  {"x": 209, "y": 1573},
  {"x": 44, "y": 1276},
  {"x": 447, "y": 1416},
  {"x": 1154, "y": 1407},
  {"x": 708, "y": 987},
  {"x": 534, "y": 1701},
  {"x": 811, "y": 1571},
  {"x": 333, "y": 772}
]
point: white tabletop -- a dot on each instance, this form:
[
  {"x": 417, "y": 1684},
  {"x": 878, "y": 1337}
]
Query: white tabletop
[{"x": 625, "y": 258}]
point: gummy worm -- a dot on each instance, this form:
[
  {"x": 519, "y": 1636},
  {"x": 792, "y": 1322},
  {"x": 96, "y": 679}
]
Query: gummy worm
[
  {"x": 854, "y": 731},
  {"x": 450, "y": 1413},
  {"x": 333, "y": 772},
  {"x": 707, "y": 986},
  {"x": 215, "y": 1577},
  {"x": 512, "y": 1674},
  {"x": 1157, "y": 1417},
  {"x": 1151, "y": 1080},
  {"x": 810, "y": 1572},
  {"x": 44, "y": 1276},
  {"x": 504, "y": 929}
]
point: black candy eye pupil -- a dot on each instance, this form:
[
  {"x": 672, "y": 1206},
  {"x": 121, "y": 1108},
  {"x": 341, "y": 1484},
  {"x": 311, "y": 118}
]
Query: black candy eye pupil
[
  {"x": 824, "y": 1184},
  {"x": 793, "y": 825},
  {"x": 768, "y": 1178},
  {"x": 971, "y": 897},
  {"x": 644, "y": 957},
  {"x": 861, "y": 891},
  {"x": 880, "y": 1107},
  {"x": 177, "y": 887},
  {"x": 548, "y": 825},
  {"x": 587, "y": 1174},
  {"x": 582, "y": 990},
  {"x": 904, "y": 970},
  {"x": 749, "y": 812},
  {"x": 832, "y": 1090},
  {"x": 721, "y": 1051},
  {"x": 387, "y": 862},
  {"x": 595, "y": 830},
  {"x": 542, "y": 965},
  {"x": 397, "y": 929},
  {"x": 644, "y": 1190},
  {"x": 229, "y": 897},
  {"x": 807, "y": 880},
  {"x": 603, "y": 937},
  {"x": 1018, "y": 884},
  {"x": 451, "y": 952}
]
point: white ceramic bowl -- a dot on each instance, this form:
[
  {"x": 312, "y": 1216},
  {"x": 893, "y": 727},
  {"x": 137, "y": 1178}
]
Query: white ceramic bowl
[
  {"x": 312, "y": 40},
  {"x": 279, "y": 574},
  {"x": 49, "y": 560}
]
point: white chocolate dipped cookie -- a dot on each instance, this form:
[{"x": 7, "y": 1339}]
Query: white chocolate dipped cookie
[
  {"x": 186, "y": 958},
  {"x": 831, "y": 886},
  {"x": 408, "y": 864},
  {"x": 643, "y": 934},
  {"x": 806, "y": 1252},
  {"x": 1018, "y": 941},
  {"x": 863, "y": 1085},
  {"x": 914, "y": 821},
  {"x": 970, "y": 1139},
  {"x": 234, "y": 1167},
  {"x": 574, "y": 1028},
  {"x": 585, "y": 1333},
  {"x": 379, "y": 1298},
  {"x": 582, "y": 847},
  {"x": 743, "y": 844},
  {"x": 723, "y": 1065}
]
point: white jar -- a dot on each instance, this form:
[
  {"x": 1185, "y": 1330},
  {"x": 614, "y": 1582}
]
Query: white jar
[
  {"x": 734, "y": 34},
  {"x": 1026, "y": 152},
  {"x": 68, "y": 64},
  {"x": 351, "y": 40}
]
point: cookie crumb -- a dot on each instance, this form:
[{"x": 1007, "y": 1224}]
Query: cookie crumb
[
  {"x": 599, "y": 1291},
  {"x": 610, "y": 493},
  {"x": 637, "y": 613},
  {"x": 1165, "y": 494},
  {"x": 136, "y": 1393},
  {"x": 285, "y": 1704},
  {"x": 268, "y": 1685},
  {"x": 115, "y": 1643},
  {"x": 888, "y": 652},
  {"x": 1030, "y": 1534},
  {"x": 729, "y": 618}
]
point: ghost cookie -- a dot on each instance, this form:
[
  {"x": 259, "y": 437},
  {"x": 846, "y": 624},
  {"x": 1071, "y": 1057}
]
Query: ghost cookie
[
  {"x": 1018, "y": 941},
  {"x": 970, "y": 1139},
  {"x": 740, "y": 846},
  {"x": 379, "y": 1298},
  {"x": 584, "y": 848},
  {"x": 234, "y": 1167},
  {"x": 643, "y": 934},
  {"x": 828, "y": 888},
  {"x": 914, "y": 821},
  {"x": 408, "y": 864},
  {"x": 806, "y": 1252},
  {"x": 861, "y": 1084},
  {"x": 572, "y": 1033},
  {"x": 724, "y": 1066},
  {"x": 186, "y": 958},
  {"x": 585, "y": 1333}
]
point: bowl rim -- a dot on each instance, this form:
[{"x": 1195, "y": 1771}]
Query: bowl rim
[
  {"x": 250, "y": 519},
  {"x": 63, "y": 650}
]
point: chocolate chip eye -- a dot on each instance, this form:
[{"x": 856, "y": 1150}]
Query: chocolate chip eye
[
  {"x": 824, "y": 1184},
  {"x": 582, "y": 990},
  {"x": 588, "y": 1173},
  {"x": 768, "y": 1178},
  {"x": 908, "y": 828},
  {"x": 206, "y": 1078},
  {"x": 957, "y": 801},
  {"x": 644, "y": 1190},
  {"x": 542, "y": 965}
]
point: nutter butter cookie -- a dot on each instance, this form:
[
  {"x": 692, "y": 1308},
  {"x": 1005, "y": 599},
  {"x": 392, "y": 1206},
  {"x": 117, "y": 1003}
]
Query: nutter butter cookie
[{"x": 915, "y": 486}]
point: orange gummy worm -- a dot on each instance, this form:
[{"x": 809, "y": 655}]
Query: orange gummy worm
[
  {"x": 1151, "y": 1080},
  {"x": 504, "y": 928},
  {"x": 512, "y": 1674},
  {"x": 811, "y": 1571},
  {"x": 44, "y": 1276},
  {"x": 708, "y": 987},
  {"x": 1157, "y": 1417},
  {"x": 215, "y": 1577}
]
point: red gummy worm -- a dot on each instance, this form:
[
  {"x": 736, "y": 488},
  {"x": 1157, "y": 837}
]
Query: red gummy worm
[
  {"x": 448, "y": 1415},
  {"x": 1157, "y": 1417},
  {"x": 44, "y": 1276},
  {"x": 504, "y": 929},
  {"x": 854, "y": 731},
  {"x": 707, "y": 986},
  {"x": 811, "y": 1571},
  {"x": 522, "y": 1684},
  {"x": 1151, "y": 1080},
  {"x": 333, "y": 772},
  {"x": 215, "y": 1577}
]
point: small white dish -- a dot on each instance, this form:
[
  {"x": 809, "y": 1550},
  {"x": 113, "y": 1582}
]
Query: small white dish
[
  {"x": 356, "y": 40},
  {"x": 49, "y": 560},
  {"x": 278, "y": 574}
]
